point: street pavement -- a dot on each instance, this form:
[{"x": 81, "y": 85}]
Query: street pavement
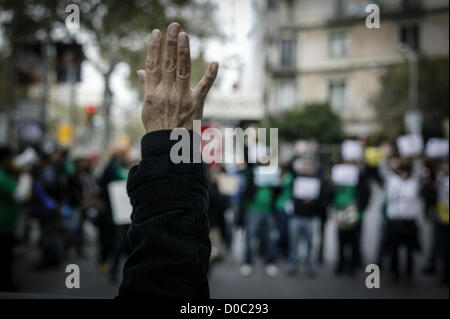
[{"x": 226, "y": 282}]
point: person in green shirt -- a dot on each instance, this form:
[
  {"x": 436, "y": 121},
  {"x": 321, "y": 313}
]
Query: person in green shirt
[
  {"x": 12, "y": 192},
  {"x": 259, "y": 201},
  {"x": 283, "y": 199}
]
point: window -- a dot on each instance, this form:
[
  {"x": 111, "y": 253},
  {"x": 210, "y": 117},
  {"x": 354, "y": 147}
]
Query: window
[
  {"x": 338, "y": 44},
  {"x": 337, "y": 94},
  {"x": 409, "y": 35},
  {"x": 286, "y": 95},
  {"x": 287, "y": 53}
]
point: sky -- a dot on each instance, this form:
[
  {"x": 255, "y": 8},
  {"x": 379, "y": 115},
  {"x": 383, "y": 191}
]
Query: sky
[{"x": 234, "y": 19}]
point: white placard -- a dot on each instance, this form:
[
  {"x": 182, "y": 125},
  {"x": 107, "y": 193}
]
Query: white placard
[
  {"x": 266, "y": 176},
  {"x": 307, "y": 188},
  {"x": 410, "y": 145},
  {"x": 27, "y": 158},
  {"x": 228, "y": 184},
  {"x": 352, "y": 150},
  {"x": 437, "y": 148},
  {"x": 120, "y": 203},
  {"x": 345, "y": 175}
]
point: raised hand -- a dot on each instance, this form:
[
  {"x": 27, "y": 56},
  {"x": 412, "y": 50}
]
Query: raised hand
[{"x": 169, "y": 101}]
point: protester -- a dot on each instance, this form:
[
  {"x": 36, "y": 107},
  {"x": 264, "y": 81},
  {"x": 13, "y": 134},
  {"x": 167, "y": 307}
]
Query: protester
[
  {"x": 282, "y": 206},
  {"x": 116, "y": 170},
  {"x": 301, "y": 225},
  {"x": 49, "y": 191},
  {"x": 442, "y": 210},
  {"x": 261, "y": 193},
  {"x": 350, "y": 202},
  {"x": 169, "y": 231},
  {"x": 72, "y": 213},
  {"x": 218, "y": 204},
  {"x": 403, "y": 207},
  {"x": 14, "y": 189}
]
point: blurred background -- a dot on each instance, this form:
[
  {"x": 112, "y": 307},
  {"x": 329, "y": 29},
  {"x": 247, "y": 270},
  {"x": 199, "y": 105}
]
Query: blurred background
[{"x": 70, "y": 130}]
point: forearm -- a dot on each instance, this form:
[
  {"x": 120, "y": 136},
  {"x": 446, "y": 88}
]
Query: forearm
[{"x": 169, "y": 233}]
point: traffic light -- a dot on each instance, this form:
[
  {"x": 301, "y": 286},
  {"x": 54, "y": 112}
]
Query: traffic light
[{"x": 91, "y": 110}]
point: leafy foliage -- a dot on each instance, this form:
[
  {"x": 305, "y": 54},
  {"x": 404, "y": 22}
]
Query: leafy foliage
[
  {"x": 392, "y": 101},
  {"x": 312, "y": 121}
]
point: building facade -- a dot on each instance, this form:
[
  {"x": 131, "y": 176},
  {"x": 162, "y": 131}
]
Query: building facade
[{"x": 322, "y": 50}]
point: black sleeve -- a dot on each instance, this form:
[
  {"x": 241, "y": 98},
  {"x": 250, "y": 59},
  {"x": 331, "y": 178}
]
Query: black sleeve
[{"x": 169, "y": 235}]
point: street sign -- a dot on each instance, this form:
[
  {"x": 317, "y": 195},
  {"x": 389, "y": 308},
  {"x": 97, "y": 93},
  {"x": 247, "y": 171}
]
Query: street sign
[{"x": 65, "y": 134}]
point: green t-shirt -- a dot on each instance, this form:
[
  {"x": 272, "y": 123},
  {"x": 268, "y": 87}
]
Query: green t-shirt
[
  {"x": 9, "y": 208},
  {"x": 262, "y": 201},
  {"x": 286, "y": 192},
  {"x": 345, "y": 196}
]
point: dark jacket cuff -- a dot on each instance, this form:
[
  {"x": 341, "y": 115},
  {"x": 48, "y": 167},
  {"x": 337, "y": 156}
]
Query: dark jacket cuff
[{"x": 158, "y": 143}]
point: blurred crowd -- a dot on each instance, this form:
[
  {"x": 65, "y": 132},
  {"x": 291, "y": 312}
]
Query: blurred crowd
[
  {"x": 275, "y": 208},
  {"x": 278, "y": 208},
  {"x": 60, "y": 192}
]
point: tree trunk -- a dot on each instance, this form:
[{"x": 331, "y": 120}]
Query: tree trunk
[{"x": 106, "y": 109}]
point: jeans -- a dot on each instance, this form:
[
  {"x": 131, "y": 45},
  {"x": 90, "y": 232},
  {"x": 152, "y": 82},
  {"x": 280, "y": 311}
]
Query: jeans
[
  {"x": 283, "y": 241},
  {"x": 254, "y": 222},
  {"x": 301, "y": 228}
]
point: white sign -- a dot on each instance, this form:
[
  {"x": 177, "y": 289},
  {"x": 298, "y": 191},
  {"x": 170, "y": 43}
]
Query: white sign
[
  {"x": 410, "y": 145},
  {"x": 27, "y": 158},
  {"x": 306, "y": 188},
  {"x": 236, "y": 105},
  {"x": 266, "y": 176},
  {"x": 120, "y": 203},
  {"x": 352, "y": 150},
  {"x": 437, "y": 148},
  {"x": 345, "y": 175},
  {"x": 228, "y": 184}
]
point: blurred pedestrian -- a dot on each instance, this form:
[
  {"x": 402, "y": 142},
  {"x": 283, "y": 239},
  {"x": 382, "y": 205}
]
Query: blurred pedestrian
[
  {"x": 262, "y": 190},
  {"x": 14, "y": 189},
  {"x": 403, "y": 207},
  {"x": 72, "y": 213},
  {"x": 49, "y": 191},
  {"x": 301, "y": 224},
  {"x": 116, "y": 170},
  {"x": 282, "y": 205},
  {"x": 218, "y": 204},
  {"x": 442, "y": 210},
  {"x": 350, "y": 203}
]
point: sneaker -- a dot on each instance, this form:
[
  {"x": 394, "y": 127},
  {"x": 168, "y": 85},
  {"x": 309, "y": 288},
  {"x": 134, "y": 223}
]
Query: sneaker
[
  {"x": 246, "y": 270},
  {"x": 271, "y": 270}
]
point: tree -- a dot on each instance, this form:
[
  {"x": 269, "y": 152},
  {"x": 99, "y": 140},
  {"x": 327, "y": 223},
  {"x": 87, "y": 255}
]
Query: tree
[
  {"x": 116, "y": 29},
  {"x": 312, "y": 121},
  {"x": 391, "y": 103}
]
